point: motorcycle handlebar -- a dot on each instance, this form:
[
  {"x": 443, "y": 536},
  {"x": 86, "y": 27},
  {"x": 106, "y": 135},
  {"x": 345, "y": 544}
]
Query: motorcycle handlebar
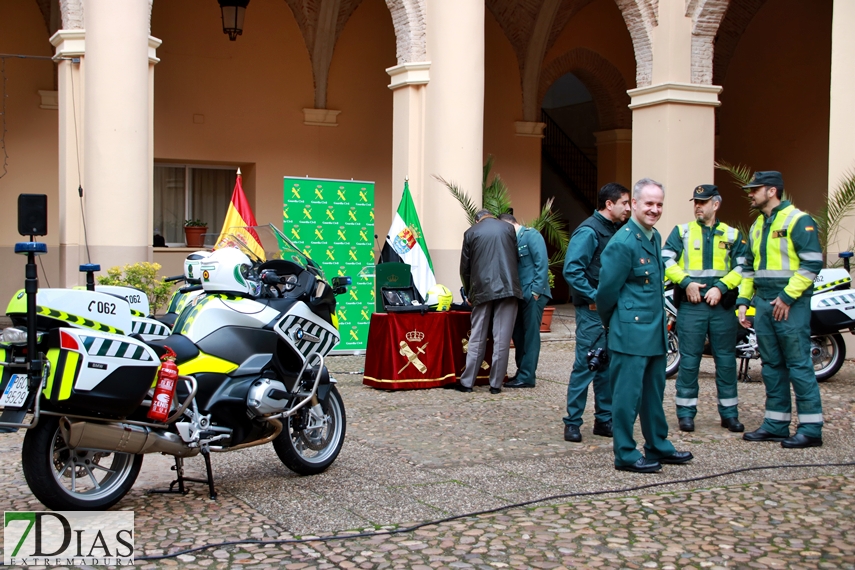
[
  {"x": 174, "y": 278},
  {"x": 271, "y": 278}
]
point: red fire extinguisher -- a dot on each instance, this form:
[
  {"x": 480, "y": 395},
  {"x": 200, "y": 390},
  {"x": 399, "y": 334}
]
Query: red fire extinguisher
[{"x": 164, "y": 390}]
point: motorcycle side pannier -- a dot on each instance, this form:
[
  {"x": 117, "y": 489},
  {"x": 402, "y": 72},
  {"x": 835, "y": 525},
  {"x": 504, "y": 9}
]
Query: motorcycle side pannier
[{"x": 95, "y": 373}]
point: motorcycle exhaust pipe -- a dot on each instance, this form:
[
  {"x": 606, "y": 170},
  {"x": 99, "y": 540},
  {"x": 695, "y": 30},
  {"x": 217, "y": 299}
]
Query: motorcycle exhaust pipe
[{"x": 123, "y": 438}]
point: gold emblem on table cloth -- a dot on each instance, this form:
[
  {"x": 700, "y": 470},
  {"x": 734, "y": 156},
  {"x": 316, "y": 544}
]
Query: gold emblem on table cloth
[
  {"x": 409, "y": 354},
  {"x": 465, "y": 342}
]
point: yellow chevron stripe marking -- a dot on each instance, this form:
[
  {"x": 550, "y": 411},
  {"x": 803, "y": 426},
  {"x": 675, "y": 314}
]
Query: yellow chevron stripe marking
[{"x": 74, "y": 319}]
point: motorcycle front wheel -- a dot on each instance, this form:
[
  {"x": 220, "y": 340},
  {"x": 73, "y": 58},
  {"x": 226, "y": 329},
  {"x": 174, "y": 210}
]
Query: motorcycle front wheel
[
  {"x": 65, "y": 479},
  {"x": 827, "y": 352},
  {"x": 310, "y": 441},
  {"x": 672, "y": 358}
]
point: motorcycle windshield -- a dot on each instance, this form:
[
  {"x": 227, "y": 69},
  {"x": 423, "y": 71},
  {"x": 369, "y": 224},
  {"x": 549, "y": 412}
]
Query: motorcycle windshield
[{"x": 265, "y": 243}]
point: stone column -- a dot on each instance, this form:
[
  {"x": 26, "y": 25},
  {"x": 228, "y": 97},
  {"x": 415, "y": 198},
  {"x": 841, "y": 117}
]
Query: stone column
[
  {"x": 673, "y": 120},
  {"x": 841, "y": 144},
  {"x": 117, "y": 127},
  {"x": 454, "y": 128},
  {"x": 614, "y": 157},
  {"x": 70, "y": 49},
  {"x": 409, "y": 85}
]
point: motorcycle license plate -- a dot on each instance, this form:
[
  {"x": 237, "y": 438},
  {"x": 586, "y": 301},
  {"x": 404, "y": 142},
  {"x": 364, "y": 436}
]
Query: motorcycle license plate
[{"x": 16, "y": 392}]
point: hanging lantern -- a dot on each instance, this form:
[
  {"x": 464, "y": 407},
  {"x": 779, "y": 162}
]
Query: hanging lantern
[{"x": 233, "y": 12}]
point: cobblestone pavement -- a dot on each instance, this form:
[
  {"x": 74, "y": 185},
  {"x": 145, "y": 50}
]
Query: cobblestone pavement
[{"x": 418, "y": 456}]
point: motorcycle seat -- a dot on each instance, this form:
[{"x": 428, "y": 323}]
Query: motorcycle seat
[
  {"x": 182, "y": 346},
  {"x": 168, "y": 319}
]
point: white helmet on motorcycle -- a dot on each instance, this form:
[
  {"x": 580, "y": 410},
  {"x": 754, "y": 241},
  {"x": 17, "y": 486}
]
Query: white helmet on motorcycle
[
  {"x": 227, "y": 270},
  {"x": 440, "y": 297},
  {"x": 192, "y": 269}
]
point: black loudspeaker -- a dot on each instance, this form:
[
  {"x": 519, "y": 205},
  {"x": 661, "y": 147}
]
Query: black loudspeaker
[{"x": 32, "y": 214}]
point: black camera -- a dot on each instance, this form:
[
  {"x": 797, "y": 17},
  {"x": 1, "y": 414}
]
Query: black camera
[{"x": 598, "y": 358}]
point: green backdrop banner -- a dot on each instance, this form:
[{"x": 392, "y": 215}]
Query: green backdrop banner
[{"x": 333, "y": 222}]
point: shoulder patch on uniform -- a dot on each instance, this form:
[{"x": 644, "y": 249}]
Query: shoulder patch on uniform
[{"x": 808, "y": 228}]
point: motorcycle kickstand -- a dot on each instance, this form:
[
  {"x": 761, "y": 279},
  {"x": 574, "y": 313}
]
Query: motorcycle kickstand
[
  {"x": 181, "y": 479},
  {"x": 206, "y": 453},
  {"x": 743, "y": 376}
]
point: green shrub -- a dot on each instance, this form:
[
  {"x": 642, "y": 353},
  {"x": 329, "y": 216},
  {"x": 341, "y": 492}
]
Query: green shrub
[{"x": 142, "y": 276}]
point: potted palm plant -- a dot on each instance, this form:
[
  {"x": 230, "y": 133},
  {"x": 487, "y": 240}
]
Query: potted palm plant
[
  {"x": 495, "y": 197},
  {"x": 829, "y": 219},
  {"x": 194, "y": 231}
]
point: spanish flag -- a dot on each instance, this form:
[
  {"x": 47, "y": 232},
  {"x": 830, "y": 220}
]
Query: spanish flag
[{"x": 240, "y": 222}]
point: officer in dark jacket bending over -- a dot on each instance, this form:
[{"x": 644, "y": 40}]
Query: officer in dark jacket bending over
[{"x": 488, "y": 271}]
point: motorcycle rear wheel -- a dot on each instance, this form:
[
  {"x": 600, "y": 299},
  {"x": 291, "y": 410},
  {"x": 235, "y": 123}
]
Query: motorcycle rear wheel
[
  {"x": 309, "y": 444},
  {"x": 828, "y": 351},
  {"x": 66, "y": 479},
  {"x": 672, "y": 362}
]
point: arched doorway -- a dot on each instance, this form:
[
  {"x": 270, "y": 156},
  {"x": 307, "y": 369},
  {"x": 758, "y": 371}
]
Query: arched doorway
[{"x": 569, "y": 154}]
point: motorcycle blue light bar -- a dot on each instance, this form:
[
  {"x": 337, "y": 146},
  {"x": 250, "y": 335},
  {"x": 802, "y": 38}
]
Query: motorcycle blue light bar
[
  {"x": 25, "y": 247},
  {"x": 845, "y": 254},
  {"x": 89, "y": 267}
]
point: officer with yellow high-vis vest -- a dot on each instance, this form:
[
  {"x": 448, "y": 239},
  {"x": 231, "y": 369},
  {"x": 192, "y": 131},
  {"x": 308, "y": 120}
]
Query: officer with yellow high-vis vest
[
  {"x": 785, "y": 256},
  {"x": 705, "y": 260}
]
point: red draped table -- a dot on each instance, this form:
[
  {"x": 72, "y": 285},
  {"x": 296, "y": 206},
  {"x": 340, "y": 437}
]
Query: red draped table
[{"x": 415, "y": 350}]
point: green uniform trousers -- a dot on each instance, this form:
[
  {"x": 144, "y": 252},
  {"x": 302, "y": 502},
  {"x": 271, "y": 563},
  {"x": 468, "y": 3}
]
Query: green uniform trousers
[
  {"x": 527, "y": 337},
  {"x": 694, "y": 323},
  {"x": 638, "y": 386},
  {"x": 589, "y": 335},
  {"x": 785, "y": 351}
]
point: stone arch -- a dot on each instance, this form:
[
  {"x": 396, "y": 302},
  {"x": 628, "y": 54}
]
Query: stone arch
[
  {"x": 706, "y": 18},
  {"x": 641, "y": 16},
  {"x": 321, "y": 23},
  {"x": 409, "y": 20},
  {"x": 739, "y": 15},
  {"x": 605, "y": 83},
  {"x": 72, "y": 14}
]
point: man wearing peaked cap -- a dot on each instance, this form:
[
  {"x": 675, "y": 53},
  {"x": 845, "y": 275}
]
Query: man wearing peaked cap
[
  {"x": 769, "y": 178},
  {"x": 784, "y": 257},
  {"x": 705, "y": 260}
]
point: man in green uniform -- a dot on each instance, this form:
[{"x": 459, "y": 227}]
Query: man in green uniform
[
  {"x": 705, "y": 260},
  {"x": 631, "y": 305},
  {"x": 785, "y": 256},
  {"x": 582, "y": 273},
  {"x": 533, "y": 264}
]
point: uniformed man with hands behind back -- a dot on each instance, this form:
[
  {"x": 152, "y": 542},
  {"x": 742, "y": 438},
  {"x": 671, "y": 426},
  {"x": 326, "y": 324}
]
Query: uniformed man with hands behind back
[{"x": 704, "y": 259}]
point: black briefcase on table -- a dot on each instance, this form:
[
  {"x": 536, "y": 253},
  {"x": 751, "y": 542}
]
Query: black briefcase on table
[{"x": 400, "y": 300}]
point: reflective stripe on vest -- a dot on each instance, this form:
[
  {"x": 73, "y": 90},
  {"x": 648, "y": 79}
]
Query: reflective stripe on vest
[
  {"x": 692, "y": 259},
  {"x": 780, "y": 255}
]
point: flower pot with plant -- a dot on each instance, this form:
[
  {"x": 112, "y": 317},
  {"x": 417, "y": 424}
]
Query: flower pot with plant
[
  {"x": 546, "y": 320},
  {"x": 194, "y": 231}
]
